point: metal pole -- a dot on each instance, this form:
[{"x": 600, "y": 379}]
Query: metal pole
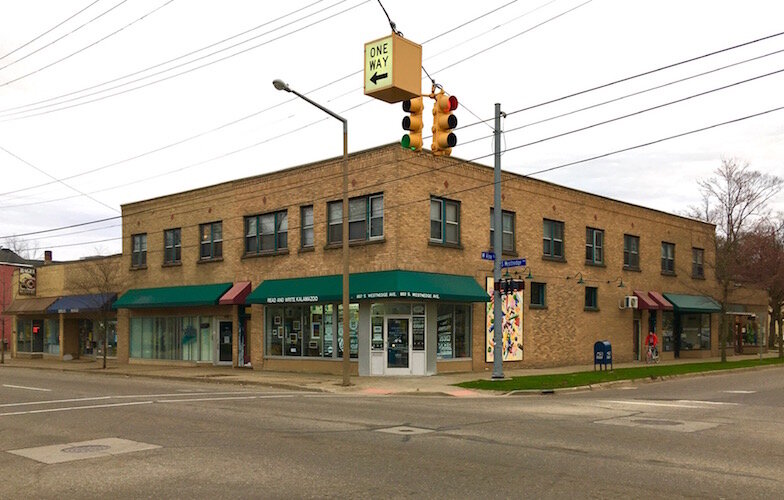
[
  {"x": 498, "y": 231},
  {"x": 346, "y": 322},
  {"x": 2, "y": 324}
]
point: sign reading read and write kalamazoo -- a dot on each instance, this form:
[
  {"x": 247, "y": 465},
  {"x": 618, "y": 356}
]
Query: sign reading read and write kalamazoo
[{"x": 358, "y": 296}]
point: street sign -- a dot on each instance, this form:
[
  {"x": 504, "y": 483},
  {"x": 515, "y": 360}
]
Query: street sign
[
  {"x": 378, "y": 64},
  {"x": 488, "y": 255},
  {"x": 512, "y": 263},
  {"x": 393, "y": 69}
]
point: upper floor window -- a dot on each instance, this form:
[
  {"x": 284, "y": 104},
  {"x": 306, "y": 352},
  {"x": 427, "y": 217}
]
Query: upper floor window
[
  {"x": 668, "y": 257},
  {"x": 211, "y": 240},
  {"x": 591, "y": 298},
  {"x": 172, "y": 246},
  {"x": 139, "y": 250},
  {"x": 266, "y": 233},
  {"x": 444, "y": 221},
  {"x": 631, "y": 251},
  {"x": 553, "y": 235},
  {"x": 538, "y": 294},
  {"x": 508, "y": 237},
  {"x": 306, "y": 226},
  {"x": 697, "y": 263},
  {"x": 365, "y": 219},
  {"x": 594, "y": 245}
]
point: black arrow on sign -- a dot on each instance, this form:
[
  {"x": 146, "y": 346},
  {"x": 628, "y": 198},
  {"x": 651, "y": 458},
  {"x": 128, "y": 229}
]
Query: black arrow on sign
[{"x": 376, "y": 77}]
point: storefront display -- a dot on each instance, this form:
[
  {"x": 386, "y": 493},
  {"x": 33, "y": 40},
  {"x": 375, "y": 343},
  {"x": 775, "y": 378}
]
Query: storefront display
[{"x": 172, "y": 338}]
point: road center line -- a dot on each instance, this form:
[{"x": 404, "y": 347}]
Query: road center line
[
  {"x": 651, "y": 403},
  {"x": 69, "y": 408},
  {"x": 28, "y": 388},
  {"x": 706, "y": 402},
  {"x": 740, "y": 392},
  {"x": 53, "y": 401}
]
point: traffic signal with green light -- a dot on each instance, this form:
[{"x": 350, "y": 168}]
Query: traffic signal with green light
[
  {"x": 443, "y": 123},
  {"x": 413, "y": 123}
]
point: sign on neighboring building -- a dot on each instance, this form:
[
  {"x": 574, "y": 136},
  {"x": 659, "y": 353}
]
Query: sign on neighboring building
[
  {"x": 26, "y": 281},
  {"x": 512, "y": 308},
  {"x": 393, "y": 69}
]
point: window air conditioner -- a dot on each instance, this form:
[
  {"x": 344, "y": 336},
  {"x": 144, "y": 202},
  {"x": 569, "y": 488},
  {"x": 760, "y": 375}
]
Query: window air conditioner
[{"x": 629, "y": 302}]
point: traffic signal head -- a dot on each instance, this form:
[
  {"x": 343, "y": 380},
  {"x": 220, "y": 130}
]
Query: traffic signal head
[
  {"x": 443, "y": 123},
  {"x": 413, "y": 123}
]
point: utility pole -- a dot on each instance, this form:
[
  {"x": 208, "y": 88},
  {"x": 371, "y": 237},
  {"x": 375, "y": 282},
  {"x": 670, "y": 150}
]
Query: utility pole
[
  {"x": 498, "y": 316},
  {"x": 2, "y": 326}
]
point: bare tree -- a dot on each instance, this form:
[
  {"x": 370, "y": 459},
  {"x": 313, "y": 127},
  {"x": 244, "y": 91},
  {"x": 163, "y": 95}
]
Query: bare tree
[
  {"x": 27, "y": 249},
  {"x": 99, "y": 279},
  {"x": 734, "y": 199}
]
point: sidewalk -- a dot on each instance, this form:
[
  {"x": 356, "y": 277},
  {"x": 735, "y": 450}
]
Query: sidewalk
[{"x": 442, "y": 384}]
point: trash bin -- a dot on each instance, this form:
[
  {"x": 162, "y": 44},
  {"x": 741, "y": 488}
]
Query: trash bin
[{"x": 602, "y": 355}]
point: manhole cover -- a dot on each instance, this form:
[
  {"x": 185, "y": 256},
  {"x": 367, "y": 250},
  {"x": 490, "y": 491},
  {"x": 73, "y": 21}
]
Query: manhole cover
[
  {"x": 88, "y": 448},
  {"x": 648, "y": 421}
]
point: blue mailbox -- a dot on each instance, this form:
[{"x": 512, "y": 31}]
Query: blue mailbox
[{"x": 602, "y": 354}]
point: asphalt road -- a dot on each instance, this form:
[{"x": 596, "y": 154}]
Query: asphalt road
[{"x": 719, "y": 436}]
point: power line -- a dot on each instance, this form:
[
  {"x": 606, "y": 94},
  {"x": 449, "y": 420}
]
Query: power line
[
  {"x": 451, "y": 165},
  {"x": 228, "y": 124},
  {"x": 86, "y": 47},
  {"x": 48, "y": 31},
  {"x": 58, "y": 180},
  {"x": 67, "y": 34},
  {"x": 184, "y": 72}
]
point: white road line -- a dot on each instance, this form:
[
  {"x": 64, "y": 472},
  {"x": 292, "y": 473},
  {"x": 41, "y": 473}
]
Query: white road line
[
  {"x": 718, "y": 403},
  {"x": 222, "y": 399},
  {"x": 740, "y": 392},
  {"x": 178, "y": 394},
  {"x": 652, "y": 403},
  {"x": 52, "y": 401},
  {"x": 69, "y": 408},
  {"x": 28, "y": 388}
]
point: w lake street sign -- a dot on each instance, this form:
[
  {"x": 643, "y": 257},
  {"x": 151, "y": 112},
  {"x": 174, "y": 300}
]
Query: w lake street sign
[{"x": 393, "y": 69}]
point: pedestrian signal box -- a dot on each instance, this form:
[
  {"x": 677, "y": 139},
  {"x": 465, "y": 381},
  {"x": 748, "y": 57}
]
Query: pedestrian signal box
[{"x": 393, "y": 69}]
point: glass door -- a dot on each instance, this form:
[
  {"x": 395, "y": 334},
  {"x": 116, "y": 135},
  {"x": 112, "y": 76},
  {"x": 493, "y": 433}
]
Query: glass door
[
  {"x": 398, "y": 343},
  {"x": 224, "y": 341}
]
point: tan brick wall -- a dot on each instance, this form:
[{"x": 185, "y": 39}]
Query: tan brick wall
[{"x": 560, "y": 334}]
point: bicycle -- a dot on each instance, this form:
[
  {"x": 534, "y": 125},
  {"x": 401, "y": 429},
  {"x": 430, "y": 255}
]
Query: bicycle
[{"x": 653, "y": 355}]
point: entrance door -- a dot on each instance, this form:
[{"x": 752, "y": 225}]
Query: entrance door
[
  {"x": 38, "y": 335},
  {"x": 636, "y": 339},
  {"x": 224, "y": 341},
  {"x": 398, "y": 342}
]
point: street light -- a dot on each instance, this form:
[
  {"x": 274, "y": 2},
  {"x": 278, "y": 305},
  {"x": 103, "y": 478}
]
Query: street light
[{"x": 281, "y": 85}]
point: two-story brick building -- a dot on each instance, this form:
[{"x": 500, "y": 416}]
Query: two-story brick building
[{"x": 247, "y": 272}]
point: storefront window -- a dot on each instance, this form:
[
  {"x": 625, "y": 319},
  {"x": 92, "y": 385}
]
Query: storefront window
[
  {"x": 454, "y": 331},
  {"x": 171, "y": 338},
  {"x": 668, "y": 319},
  {"x": 300, "y": 331},
  {"x": 52, "y": 336},
  {"x": 696, "y": 332},
  {"x": 353, "y": 327}
]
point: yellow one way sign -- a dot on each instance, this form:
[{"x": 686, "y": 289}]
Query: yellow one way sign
[{"x": 393, "y": 69}]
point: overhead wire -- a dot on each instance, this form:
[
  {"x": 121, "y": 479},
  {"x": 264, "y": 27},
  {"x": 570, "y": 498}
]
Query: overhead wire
[
  {"x": 460, "y": 162},
  {"x": 187, "y": 139},
  {"x": 79, "y": 51},
  {"x": 63, "y": 36},
  {"x": 49, "y": 30}
]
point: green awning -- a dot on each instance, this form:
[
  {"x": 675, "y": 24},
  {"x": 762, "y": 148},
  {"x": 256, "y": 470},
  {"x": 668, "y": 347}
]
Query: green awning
[
  {"x": 693, "y": 303},
  {"x": 408, "y": 285},
  {"x": 172, "y": 296}
]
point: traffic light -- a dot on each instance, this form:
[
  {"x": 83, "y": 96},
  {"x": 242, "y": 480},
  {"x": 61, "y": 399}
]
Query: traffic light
[
  {"x": 443, "y": 123},
  {"x": 413, "y": 123}
]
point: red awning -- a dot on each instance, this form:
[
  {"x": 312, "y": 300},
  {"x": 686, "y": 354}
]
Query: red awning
[
  {"x": 645, "y": 302},
  {"x": 664, "y": 304},
  {"x": 236, "y": 294}
]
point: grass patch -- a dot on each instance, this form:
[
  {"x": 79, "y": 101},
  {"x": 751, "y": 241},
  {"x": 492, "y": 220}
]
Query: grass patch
[{"x": 577, "y": 379}]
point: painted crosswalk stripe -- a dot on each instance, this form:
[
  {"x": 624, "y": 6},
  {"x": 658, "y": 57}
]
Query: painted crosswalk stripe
[
  {"x": 25, "y": 387},
  {"x": 71, "y": 408}
]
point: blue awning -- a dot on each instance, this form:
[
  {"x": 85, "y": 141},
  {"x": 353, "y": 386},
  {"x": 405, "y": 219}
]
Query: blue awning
[{"x": 82, "y": 303}]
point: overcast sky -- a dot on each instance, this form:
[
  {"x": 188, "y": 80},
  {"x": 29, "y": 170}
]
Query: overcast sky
[{"x": 206, "y": 112}]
